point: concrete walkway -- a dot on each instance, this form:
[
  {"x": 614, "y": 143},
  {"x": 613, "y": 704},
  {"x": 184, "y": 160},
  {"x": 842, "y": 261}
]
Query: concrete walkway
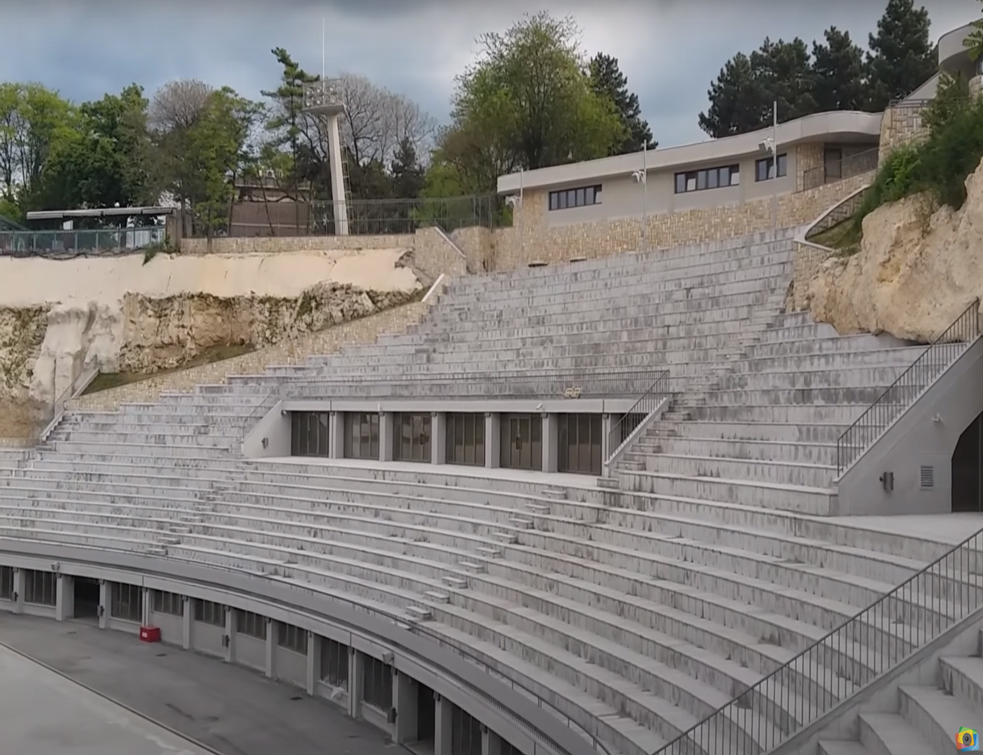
[{"x": 229, "y": 708}]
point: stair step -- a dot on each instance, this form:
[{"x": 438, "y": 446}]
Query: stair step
[
  {"x": 489, "y": 551},
  {"x": 526, "y": 524},
  {"x": 419, "y": 613},
  {"x": 538, "y": 508},
  {"x": 509, "y": 538},
  {"x": 471, "y": 566},
  {"x": 458, "y": 583},
  {"x": 440, "y": 597}
]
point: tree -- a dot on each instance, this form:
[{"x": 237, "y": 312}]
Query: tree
[
  {"x": 951, "y": 97},
  {"x": 527, "y": 102},
  {"x": 608, "y": 81},
  {"x": 839, "y": 73},
  {"x": 737, "y": 100},
  {"x": 901, "y": 57},
  {"x": 407, "y": 173},
  {"x": 33, "y": 120},
  {"x": 974, "y": 40}
]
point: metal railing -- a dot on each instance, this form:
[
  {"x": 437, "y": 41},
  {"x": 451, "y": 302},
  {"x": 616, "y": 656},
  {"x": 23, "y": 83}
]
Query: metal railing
[
  {"x": 904, "y": 391},
  {"x": 68, "y": 244},
  {"x": 847, "y": 659},
  {"x": 832, "y": 171},
  {"x": 621, "y": 431},
  {"x": 286, "y": 217}
]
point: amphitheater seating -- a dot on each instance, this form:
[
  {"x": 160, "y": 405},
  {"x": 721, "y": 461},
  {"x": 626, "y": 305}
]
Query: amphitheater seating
[{"x": 637, "y": 614}]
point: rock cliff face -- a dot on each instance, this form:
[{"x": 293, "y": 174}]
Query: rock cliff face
[
  {"x": 43, "y": 349},
  {"x": 916, "y": 272}
]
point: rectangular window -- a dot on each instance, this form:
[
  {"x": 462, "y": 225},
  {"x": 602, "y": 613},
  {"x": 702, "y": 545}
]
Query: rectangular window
[
  {"x": 309, "y": 433},
  {"x": 208, "y": 612},
  {"x": 762, "y": 168},
  {"x": 334, "y": 663},
  {"x": 251, "y": 624},
  {"x": 126, "y": 602},
  {"x": 292, "y": 638},
  {"x": 566, "y": 199},
  {"x": 507, "y": 748},
  {"x": 168, "y": 602},
  {"x": 411, "y": 436},
  {"x": 6, "y": 583},
  {"x": 378, "y": 683},
  {"x": 579, "y": 443},
  {"x": 465, "y": 442},
  {"x": 465, "y": 733},
  {"x": 362, "y": 435},
  {"x": 39, "y": 587},
  {"x": 708, "y": 178}
]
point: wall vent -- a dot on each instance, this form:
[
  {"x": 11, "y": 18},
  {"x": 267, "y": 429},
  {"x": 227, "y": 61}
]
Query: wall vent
[{"x": 927, "y": 477}]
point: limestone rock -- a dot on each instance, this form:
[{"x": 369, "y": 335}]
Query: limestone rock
[{"x": 916, "y": 271}]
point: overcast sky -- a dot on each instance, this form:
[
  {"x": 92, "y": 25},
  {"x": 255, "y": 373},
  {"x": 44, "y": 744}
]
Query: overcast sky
[{"x": 669, "y": 49}]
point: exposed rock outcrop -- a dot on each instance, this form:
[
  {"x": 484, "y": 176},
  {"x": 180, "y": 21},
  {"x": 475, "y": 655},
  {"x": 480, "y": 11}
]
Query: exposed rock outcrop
[{"x": 916, "y": 272}]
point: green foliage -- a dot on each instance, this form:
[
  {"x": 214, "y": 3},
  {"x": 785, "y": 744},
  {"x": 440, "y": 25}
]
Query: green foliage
[
  {"x": 836, "y": 76},
  {"x": 951, "y": 96},
  {"x": 527, "y": 102},
  {"x": 608, "y": 81},
  {"x": 938, "y": 166},
  {"x": 974, "y": 41}
]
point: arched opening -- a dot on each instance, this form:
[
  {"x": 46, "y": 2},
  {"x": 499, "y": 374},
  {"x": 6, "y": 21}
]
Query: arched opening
[{"x": 967, "y": 469}]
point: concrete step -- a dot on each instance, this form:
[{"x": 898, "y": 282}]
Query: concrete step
[{"x": 935, "y": 715}]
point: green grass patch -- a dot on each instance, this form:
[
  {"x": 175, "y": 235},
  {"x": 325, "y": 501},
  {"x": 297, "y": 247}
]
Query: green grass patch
[{"x": 844, "y": 237}]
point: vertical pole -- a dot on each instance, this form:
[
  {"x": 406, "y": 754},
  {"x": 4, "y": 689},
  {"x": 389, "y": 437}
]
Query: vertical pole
[
  {"x": 522, "y": 218},
  {"x": 774, "y": 167},
  {"x": 322, "y": 48},
  {"x": 645, "y": 245}
]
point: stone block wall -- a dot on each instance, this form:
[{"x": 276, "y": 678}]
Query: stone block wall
[
  {"x": 362, "y": 331},
  {"x": 808, "y": 259},
  {"x": 433, "y": 256},
  {"x": 901, "y": 124},
  {"x": 272, "y": 245},
  {"x": 530, "y": 239}
]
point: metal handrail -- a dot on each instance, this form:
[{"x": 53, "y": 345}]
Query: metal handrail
[
  {"x": 416, "y": 629},
  {"x": 841, "y": 664},
  {"x": 910, "y": 384},
  {"x": 648, "y": 402}
]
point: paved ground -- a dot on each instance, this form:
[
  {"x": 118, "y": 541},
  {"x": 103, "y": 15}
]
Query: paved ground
[{"x": 229, "y": 708}]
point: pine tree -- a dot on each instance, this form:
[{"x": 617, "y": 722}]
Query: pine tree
[
  {"x": 784, "y": 72},
  {"x": 609, "y": 81},
  {"x": 407, "y": 174},
  {"x": 901, "y": 58},
  {"x": 736, "y": 100},
  {"x": 839, "y": 73}
]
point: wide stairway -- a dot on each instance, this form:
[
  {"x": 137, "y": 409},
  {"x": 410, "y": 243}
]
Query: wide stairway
[{"x": 636, "y": 615}]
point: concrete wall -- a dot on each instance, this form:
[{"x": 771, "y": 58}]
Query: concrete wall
[
  {"x": 926, "y": 434},
  {"x": 207, "y": 639},
  {"x": 249, "y": 651}
]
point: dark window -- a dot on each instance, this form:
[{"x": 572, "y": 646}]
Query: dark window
[
  {"x": 465, "y": 733},
  {"x": 762, "y": 168},
  {"x": 251, "y": 624},
  {"x": 507, "y": 748},
  {"x": 411, "y": 436},
  {"x": 208, "y": 612},
  {"x": 334, "y": 663},
  {"x": 465, "y": 442},
  {"x": 579, "y": 445},
  {"x": 362, "y": 435},
  {"x": 292, "y": 638},
  {"x": 309, "y": 433},
  {"x": 168, "y": 602},
  {"x": 39, "y": 587},
  {"x": 6, "y": 582},
  {"x": 126, "y": 602},
  {"x": 566, "y": 199},
  {"x": 377, "y": 683},
  {"x": 708, "y": 178}
]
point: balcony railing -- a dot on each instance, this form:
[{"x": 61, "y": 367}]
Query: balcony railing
[
  {"x": 67, "y": 244},
  {"x": 832, "y": 171}
]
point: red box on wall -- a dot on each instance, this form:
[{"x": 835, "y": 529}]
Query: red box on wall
[{"x": 150, "y": 634}]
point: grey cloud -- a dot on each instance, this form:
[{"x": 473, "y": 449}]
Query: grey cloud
[{"x": 669, "y": 49}]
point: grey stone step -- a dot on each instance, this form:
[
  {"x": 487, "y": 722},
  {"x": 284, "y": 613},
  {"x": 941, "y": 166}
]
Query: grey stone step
[
  {"x": 783, "y": 432},
  {"x": 935, "y": 715},
  {"x": 890, "y": 734},
  {"x": 762, "y": 450},
  {"x": 798, "y": 474}
]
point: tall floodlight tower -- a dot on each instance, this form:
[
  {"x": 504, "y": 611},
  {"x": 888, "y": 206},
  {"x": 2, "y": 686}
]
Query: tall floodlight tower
[{"x": 323, "y": 98}]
